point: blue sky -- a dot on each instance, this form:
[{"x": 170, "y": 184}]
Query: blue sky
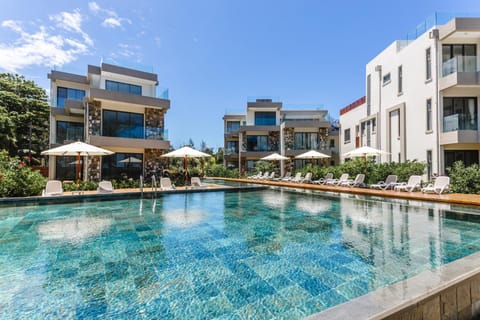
[{"x": 213, "y": 55}]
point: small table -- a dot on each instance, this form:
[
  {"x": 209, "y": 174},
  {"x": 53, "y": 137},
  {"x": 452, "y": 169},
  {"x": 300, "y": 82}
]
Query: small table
[{"x": 77, "y": 192}]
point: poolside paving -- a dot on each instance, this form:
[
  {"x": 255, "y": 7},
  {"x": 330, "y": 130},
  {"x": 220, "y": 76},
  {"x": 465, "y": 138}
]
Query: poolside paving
[{"x": 452, "y": 198}]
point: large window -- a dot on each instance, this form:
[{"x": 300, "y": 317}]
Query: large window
[
  {"x": 123, "y": 87},
  {"x": 346, "y": 136},
  {"x": 233, "y": 126},
  {"x": 468, "y": 157},
  {"x": 429, "y": 114},
  {"x": 459, "y": 114},
  {"x": 306, "y": 140},
  {"x": 400, "y": 79},
  {"x": 387, "y": 78},
  {"x": 265, "y": 118},
  {"x": 258, "y": 143},
  {"x": 122, "y": 166},
  {"x": 66, "y": 168},
  {"x": 69, "y": 131},
  {"x": 429, "y": 164},
  {"x": 122, "y": 124},
  {"x": 428, "y": 64},
  {"x": 68, "y": 94}
]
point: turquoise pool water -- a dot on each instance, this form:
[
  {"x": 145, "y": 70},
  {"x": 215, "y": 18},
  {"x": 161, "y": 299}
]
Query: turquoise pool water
[{"x": 228, "y": 255}]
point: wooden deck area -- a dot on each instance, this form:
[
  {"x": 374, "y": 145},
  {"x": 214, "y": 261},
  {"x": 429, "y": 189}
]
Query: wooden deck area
[{"x": 452, "y": 198}]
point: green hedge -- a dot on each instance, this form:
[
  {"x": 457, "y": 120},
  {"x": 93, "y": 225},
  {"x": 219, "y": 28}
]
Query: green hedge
[
  {"x": 374, "y": 172},
  {"x": 18, "y": 180},
  {"x": 218, "y": 170},
  {"x": 464, "y": 179}
]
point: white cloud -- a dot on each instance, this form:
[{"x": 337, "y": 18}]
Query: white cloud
[
  {"x": 71, "y": 21},
  {"x": 14, "y": 25},
  {"x": 94, "y": 7},
  {"x": 53, "y": 46},
  {"x": 111, "y": 20}
]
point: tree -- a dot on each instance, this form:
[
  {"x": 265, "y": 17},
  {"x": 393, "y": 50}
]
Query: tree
[{"x": 24, "y": 113}]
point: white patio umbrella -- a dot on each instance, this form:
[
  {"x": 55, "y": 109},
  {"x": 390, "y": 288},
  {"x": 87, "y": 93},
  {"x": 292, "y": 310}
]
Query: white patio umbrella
[
  {"x": 274, "y": 156},
  {"x": 364, "y": 152},
  {"x": 185, "y": 153},
  {"x": 131, "y": 160},
  {"x": 312, "y": 154},
  {"x": 78, "y": 149}
]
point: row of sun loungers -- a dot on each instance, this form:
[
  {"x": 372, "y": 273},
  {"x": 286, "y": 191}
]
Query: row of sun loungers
[
  {"x": 54, "y": 187},
  {"x": 440, "y": 185}
]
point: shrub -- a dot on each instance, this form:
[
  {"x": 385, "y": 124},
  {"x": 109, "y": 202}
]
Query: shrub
[
  {"x": 17, "y": 180},
  {"x": 218, "y": 170},
  {"x": 464, "y": 179},
  {"x": 265, "y": 166}
]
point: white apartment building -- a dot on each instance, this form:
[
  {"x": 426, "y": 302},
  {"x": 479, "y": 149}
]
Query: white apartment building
[{"x": 421, "y": 99}]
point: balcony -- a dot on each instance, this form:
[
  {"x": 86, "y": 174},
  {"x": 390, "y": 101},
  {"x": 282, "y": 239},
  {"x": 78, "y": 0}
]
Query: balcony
[
  {"x": 261, "y": 128},
  {"x": 305, "y": 123},
  {"x": 459, "y": 128},
  {"x": 135, "y": 137},
  {"x": 459, "y": 64},
  {"x": 121, "y": 142},
  {"x": 456, "y": 122},
  {"x": 460, "y": 70},
  {"x": 131, "y": 99},
  {"x": 231, "y": 151}
]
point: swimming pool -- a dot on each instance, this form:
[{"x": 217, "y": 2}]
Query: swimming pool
[{"x": 230, "y": 255}]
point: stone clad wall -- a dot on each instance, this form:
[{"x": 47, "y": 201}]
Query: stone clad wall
[
  {"x": 93, "y": 168},
  {"x": 153, "y": 164},
  {"x": 94, "y": 118},
  {"x": 461, "y": 301},
  {"x": 155, "y": 119}
]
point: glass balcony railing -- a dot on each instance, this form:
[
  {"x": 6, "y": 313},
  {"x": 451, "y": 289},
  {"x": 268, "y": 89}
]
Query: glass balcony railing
[
  {"x": 262, "y": 147},
  {"x": 459, "y": 64},
  {"x": 230, "y": 151},
  {"x": 162, "y": 93},
  {"x": 149, "y": 133},
  {"x": 456, "y": 122},
  {"x": 152, "y": 133}
]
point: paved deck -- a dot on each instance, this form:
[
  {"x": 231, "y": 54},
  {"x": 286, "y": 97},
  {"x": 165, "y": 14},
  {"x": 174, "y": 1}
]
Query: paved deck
[{"x": 452, "y": 198}]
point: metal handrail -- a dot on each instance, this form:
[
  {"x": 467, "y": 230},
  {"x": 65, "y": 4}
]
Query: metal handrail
[{"x": 154, "y": 185}]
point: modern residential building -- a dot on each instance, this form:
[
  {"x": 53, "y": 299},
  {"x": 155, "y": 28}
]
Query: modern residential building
[
  {"x": 422, "y": 98},
  {"x": 267, "y": 127},
  {"x": 112, "y": 107}
]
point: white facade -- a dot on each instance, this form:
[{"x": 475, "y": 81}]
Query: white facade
[{"x": 423, "y": 96}]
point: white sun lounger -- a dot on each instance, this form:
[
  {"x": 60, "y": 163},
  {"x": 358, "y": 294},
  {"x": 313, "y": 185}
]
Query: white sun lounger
[
  {"x": 197, "y": 183},
  {"x": 337, "y": 182},
  {"x": 53, "y": 188},
  {"x": 105, "y": 187},
  {"x": 389, "y": 183},
  {"x": 328, "y": 177},
  {"x": 358, "y": 182},
  {"x": 412, "y": 184},
  {"x": 441, "y": 185},
  {"x": 166, "y": 184}
]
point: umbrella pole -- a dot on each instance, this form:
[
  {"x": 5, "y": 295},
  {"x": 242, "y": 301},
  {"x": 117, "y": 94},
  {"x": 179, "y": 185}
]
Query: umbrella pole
[
  {"x": 78, "y": 168},
  {"x": 185, "y": 166}
]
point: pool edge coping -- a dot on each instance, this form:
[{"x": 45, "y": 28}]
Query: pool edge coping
[
  {"x": 389, "y": 300},
  {"x": 442, "y": 198}
]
